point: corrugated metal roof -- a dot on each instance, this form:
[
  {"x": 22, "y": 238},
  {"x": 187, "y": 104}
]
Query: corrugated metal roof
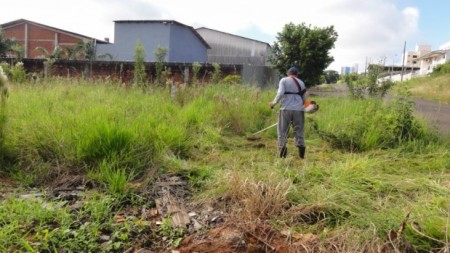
[
  {"x": 233, "y": 49},
  {"x": 233, "y": 35},
  {"x": 168, "y": 22}
]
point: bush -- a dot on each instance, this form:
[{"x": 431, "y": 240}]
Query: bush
[
  {"x": 442, "y": 69},
  {"x": 232, "y": 79},
  {"x": 18, "y": 74},
  {"x": 360, "y": 86},
  {"x": 215, "y": 77},
  {"x": 195, "y": 70},
  {"x": 140, "y": 76}
]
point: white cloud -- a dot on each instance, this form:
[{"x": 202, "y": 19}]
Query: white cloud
[{"x": 369, "y": 28}]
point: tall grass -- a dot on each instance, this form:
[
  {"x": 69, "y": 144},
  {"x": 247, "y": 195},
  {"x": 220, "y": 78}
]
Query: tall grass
[
  {"x": 361, "y": 125},
  {"x": 401, "y": 170},
  {"x": 351, "y": 200},
  {"x": 81, "y": 124},
  {"x": 3, "y": 96}
]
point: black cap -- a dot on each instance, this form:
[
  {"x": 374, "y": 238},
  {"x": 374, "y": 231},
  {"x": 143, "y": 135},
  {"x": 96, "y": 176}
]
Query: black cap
[{"x": 293, "y": 70}]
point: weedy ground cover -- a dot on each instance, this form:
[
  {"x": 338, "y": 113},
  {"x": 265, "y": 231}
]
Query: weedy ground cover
[
  {"x": 375, "y": 178},
  {"x": 437, "y": 88}
]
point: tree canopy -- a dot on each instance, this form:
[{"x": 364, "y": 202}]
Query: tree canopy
[
  {"x": 305, "y": 47},
  {"x": 331, "y": 76}
]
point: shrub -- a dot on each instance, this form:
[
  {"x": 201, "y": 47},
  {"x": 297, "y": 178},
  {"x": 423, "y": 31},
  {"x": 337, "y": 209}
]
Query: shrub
[
  {"x": 140, "y": 77},
  {"x": 160, "y": 55},
  {"x": 18, "y": 74},
  {"x": 360, "y": 86},
  {"x": 215, "y": 78},
  {"x": 195, "y": 70},
  {"x": 232, "y": 79},
  {"x": 442, "y": 69}
]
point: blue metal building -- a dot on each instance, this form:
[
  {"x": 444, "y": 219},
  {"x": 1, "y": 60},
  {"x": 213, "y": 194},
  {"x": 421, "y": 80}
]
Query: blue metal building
[{"x": 183, "y": 42}]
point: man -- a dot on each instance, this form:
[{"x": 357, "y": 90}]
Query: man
[{"x": 291, "y": 93}]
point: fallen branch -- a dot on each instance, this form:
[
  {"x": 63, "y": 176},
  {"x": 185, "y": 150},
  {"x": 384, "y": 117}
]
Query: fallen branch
[{"x": 261, "y": 240}]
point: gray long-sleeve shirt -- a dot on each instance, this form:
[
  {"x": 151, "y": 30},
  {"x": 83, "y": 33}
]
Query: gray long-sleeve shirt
[{"x": 290, "y": 101}]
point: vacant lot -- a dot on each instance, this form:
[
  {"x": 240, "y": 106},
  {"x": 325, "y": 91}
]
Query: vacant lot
[{"x": 104, "y": 168}]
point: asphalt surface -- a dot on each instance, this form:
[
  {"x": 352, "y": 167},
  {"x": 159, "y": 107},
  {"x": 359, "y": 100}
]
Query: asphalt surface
[{"x": 436, "y": 114}]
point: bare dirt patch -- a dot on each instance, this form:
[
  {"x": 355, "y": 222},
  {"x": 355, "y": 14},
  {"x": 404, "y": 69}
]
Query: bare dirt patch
[
  {"x": 231, "y": 237},
  {"x": 7, "y": 185}
]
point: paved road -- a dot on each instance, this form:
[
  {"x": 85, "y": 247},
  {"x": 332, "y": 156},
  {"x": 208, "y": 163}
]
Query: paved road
[{"x": 436, "y": 114}]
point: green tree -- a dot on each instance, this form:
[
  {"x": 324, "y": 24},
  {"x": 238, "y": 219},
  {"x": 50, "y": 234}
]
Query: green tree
[
  {"x": 305, "y": 47},
  {"x": 139, "y": 68},
  {"x": 331, "y": 76}
]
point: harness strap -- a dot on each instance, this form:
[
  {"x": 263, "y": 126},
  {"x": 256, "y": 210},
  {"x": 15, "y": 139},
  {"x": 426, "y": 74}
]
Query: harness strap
[{"x": 300, "y": 91}]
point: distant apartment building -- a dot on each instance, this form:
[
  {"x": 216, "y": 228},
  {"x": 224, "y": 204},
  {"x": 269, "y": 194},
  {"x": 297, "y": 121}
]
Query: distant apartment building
[
  {"x": 420, "y": 62},
  {"x": 345, "y": 70},
  {"x": 432, "y": 59},
  {"x": 412, "y": 57}
]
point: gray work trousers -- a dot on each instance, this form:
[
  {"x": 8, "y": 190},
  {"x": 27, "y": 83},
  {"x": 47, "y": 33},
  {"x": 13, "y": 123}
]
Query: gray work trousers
[{"x": 285, "y": 119}]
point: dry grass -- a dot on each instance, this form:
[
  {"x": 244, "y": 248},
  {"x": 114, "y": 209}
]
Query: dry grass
[
  {"x": 256, "y": 199},
  {"x": 437, "y": 89}
]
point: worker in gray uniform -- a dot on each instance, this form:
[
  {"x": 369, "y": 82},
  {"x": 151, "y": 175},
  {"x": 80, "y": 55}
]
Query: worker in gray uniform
[{"x": 291, "y": 96}]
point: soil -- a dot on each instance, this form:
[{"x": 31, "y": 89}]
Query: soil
[{"x": 7, "y": 185}]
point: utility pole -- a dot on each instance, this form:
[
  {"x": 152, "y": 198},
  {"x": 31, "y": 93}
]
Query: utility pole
[
  {"x": 403, "y": 62},
  {"x": 365, "y": 68}
]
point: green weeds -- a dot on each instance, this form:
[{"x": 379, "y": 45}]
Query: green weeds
[
  {"x": 371, "y": 166},
  {"x": 361, "y": 125},
  {"x": 39, "y": 225},
  {"x": 113, "y": 176}
]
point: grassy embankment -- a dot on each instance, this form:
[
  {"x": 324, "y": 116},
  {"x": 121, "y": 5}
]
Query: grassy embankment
[
  {"x": 434, "y": 88},
  {"x": 374, "y": 178}
]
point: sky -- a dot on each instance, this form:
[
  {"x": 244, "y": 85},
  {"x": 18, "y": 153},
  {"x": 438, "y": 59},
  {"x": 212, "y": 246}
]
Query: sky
[{"x": 369, "y": 31}]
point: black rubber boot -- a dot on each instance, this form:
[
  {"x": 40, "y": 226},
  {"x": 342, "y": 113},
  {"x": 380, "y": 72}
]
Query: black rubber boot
[
  {"x": 301, "y": 152},
  {"x": 283, "y": 152}
]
